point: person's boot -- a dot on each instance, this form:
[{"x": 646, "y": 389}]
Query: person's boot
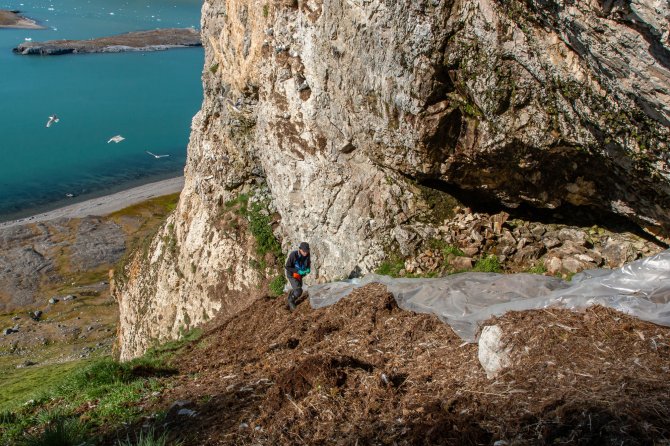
[{"x": 291, "y": 302}]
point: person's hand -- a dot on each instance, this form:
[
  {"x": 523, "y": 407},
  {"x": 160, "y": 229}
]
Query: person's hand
[{"x": 297, "y": 276}]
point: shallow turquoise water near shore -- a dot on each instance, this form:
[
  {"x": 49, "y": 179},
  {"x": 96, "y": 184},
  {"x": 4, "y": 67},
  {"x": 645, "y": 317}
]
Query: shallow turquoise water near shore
[{"x": 149, "y": 98}]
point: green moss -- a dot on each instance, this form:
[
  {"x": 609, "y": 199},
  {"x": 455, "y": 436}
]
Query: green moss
[
  {"x": 266, "y": 10},
  {"x": 214, "y": 68}
]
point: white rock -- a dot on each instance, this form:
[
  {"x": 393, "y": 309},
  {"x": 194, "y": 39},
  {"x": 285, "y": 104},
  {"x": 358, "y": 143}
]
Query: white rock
[{"x": 493, "y": 355}]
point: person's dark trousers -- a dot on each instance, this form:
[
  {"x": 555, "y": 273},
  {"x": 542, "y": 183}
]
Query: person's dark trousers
[{"x": 296, "y": 292}]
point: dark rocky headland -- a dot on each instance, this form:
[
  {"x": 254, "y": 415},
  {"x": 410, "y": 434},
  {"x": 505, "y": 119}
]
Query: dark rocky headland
[{"x": 154, "y": 40}]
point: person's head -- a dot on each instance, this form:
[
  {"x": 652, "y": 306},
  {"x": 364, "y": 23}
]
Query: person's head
[{"x": 304, "y": 249}]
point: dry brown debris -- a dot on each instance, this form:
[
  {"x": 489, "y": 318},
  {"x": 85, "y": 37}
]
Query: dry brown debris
[{"x": 365, "y": 372}]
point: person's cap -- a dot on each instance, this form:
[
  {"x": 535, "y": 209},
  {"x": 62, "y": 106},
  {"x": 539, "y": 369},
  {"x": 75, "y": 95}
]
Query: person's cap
[{"x": 304, "y": 246}]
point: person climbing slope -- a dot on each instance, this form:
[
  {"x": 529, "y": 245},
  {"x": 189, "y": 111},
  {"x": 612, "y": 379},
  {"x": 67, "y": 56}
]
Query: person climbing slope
[{"x": 297, "y": 267}]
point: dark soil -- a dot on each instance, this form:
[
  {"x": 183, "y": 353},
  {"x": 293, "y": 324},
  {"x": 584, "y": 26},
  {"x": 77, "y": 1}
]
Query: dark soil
[{"x": 365, "y": 372}]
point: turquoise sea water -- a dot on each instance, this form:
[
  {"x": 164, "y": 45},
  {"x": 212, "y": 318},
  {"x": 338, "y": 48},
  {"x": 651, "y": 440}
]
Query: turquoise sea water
[{"x": 149, "y": 98}]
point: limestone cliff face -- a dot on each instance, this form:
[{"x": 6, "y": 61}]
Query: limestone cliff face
[{"x": 349, "y": 110}]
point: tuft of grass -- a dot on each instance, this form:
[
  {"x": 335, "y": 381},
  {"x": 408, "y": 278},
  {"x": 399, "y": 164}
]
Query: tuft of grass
[
  {"x": 277, "y": 285},
  {"x": 266, "y": 10},
  {"x": 213, "y": 69},
  {"x": 148, "y": 439},
  {"x": 537, "y": 269},
  {"x": 489, "y": 264},
  {"x": 64, "y": 432}
]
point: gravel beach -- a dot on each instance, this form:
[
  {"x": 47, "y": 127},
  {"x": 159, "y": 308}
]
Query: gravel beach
[{"x": 106, "y": 204}]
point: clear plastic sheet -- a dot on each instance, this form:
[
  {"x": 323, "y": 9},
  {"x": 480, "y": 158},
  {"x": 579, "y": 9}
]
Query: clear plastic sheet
[{"x": 640, "y": 288}]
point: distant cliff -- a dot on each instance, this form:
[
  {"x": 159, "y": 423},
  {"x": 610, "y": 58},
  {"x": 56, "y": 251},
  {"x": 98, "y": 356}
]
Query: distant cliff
[{"x": 359, "y": 116}]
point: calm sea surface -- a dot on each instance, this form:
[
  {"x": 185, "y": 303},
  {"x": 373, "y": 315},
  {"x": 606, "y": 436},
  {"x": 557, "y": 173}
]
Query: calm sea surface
[{"x": 148, "y": 98}]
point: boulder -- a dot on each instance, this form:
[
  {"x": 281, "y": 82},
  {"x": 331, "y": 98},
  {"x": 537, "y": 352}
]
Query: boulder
[
  {"x": 461, "y": 263},
  {"x": 493, "y": 355},
  {"x": 617, "y": 253}
]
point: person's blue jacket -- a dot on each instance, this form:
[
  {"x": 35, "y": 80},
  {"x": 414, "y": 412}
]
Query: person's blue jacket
[{"x": 296, "y": 263}]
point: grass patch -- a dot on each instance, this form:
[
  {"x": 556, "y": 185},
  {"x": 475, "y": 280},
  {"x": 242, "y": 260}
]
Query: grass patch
[
  {"x": 489, "y": 264},
  {"x": 157, "y": 207},
  {"x": 111, "y": 390},
  {"x": 17, "y": 388},
  {"x": 391, "y": 267},
  {"x": 537, "y": 269},
  {"x": 276, "y": 285},
  {"x": 260, "y": 225}
]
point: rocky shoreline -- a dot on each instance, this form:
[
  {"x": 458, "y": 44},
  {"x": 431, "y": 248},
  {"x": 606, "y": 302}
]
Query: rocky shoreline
[
  {"x": 154, "y": 40},
  {"x": 12, "y": 19}
]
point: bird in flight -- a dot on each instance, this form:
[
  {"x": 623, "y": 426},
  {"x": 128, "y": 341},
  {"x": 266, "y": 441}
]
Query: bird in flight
[
  {"x": 52, "y": 119},
  {"x": 156, "y": 156},
  {"x": 117, "y": 139}
]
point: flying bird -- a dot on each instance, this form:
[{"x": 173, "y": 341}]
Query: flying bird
[
  {"x": 117, "y": 139},
  {"x": 52, "y": 119},
  {"x": 156, "y": 156}
]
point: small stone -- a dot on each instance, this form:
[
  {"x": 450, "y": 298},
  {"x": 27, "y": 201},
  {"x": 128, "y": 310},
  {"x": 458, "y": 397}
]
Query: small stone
[
  {"x": 69, "y": 297},
  {"x": 550, "y": 242},
  {"x": 53, "y": 300},
  {"x": 553, "y": 265},
  {"x": 186, "y": 412},
  {"x": 7, "y": 331}
]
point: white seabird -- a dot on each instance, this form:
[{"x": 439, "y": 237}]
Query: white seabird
[
  {"x": 156, "y": 156},
  {"x": 52, "y": 119},
  {"x": 117, "y": 139}
]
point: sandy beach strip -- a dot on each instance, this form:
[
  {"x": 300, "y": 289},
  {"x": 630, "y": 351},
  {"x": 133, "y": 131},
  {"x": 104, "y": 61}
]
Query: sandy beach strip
[
  {"x": 12, "y": 20},
  {"x": 107, "y": 204}
]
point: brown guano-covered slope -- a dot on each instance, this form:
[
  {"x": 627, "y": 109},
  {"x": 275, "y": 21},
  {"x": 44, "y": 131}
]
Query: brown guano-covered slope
[{"x": 365, "y": 372}]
